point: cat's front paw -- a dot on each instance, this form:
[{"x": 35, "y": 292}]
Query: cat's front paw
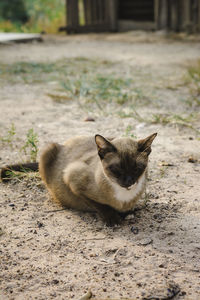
[{"x": 112, "y": 218}]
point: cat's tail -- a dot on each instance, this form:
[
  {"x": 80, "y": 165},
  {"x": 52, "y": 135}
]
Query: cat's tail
[
  {"x": 7, "y": 172},
  {"x": 47, "y": 160}
]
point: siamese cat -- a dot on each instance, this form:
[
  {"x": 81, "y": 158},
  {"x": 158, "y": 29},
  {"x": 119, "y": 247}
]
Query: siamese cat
[{"x": 95, "y": 173}]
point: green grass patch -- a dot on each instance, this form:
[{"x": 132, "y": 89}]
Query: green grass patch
[
  {"x": 133, "y": 113},
  {"x": 99, "y": 89},
  {"x": 31, "y": 72},
  {"x": 21, "y": 175},
  {"x": 164, "y": 119},
  {"x": 8, "y": 138},
  {"x": 26, "y": 149},
  {"x": 193, "y": 81},
  {"x": 29, "y": 146},
  {"x": 42, "y": 72},
  {"x": 184, "y": 120},
  {"x": 129, "y": 132}
]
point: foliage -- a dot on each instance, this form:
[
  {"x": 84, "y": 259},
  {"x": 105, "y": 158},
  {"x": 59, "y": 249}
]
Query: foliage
[
  {"x": 44, "y": 15},
  {"x": 75, "y": 79},
  {"x": 194, "y": 83},
  {"x": 177, "y": 120},
  {"x": 98, "y": 89},
  {"x": 31, "y": 72},
  {"x": 10, "y": 135},
  {"x": 31, "y": 145},
  {"x": 128, "y": 132},
  {"x": 30, "y": 149},
  {"x": 34, "y": 72},
  {"x": 22, "y": 175},
  {"x": 13, "y": 10}
]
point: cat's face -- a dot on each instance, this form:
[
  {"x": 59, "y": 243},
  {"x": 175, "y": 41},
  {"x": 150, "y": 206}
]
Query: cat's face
[{"x": 124, "y": 160}]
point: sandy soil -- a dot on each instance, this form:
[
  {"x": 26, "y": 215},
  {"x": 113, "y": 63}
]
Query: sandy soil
[{"x": 47, "y": 253}]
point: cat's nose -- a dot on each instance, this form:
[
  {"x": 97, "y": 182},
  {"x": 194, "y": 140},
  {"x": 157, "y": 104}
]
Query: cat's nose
[{"x": 128, "y": 181}]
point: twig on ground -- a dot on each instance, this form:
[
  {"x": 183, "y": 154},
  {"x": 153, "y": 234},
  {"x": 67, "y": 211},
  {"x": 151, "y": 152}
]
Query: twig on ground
[{"x": 56, "y": 210}]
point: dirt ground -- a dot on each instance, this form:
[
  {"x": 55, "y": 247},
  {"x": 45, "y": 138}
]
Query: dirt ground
[{"x": 50, "y": 253}]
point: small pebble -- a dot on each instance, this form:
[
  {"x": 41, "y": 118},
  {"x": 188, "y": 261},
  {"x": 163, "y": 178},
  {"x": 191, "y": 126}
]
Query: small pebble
[
  {"x": 192, "y": 160},
  {"x": 145, "y": 241},
  {"x": 55, "y": 281},
  {"x": 134, "y": 230},
  {"x": 39, "y": 224}
]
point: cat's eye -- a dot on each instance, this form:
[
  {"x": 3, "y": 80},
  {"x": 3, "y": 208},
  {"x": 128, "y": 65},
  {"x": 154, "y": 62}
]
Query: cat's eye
[
  {"x": 114, "y": 170},
  {"x": 140, "y": 167},
  {"x": 111, "y": 168}
]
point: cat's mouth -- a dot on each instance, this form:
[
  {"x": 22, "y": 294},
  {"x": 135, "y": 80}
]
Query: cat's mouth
[{"x": 131, "y": 186}]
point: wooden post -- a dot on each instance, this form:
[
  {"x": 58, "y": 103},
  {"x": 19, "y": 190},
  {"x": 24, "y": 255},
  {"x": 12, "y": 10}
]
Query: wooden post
[
  {"x": 174, "y": 15},
  {"x": 186, "y": 15},
  {"x": 195, "y": 15},
  {"x": 112, "y": 14},
  {"x": 100, "y": 9},
  {"x": 162, "y": 12},
  {"x": 180, "y": 15},
  {"x": 72, "y": 15},
  {"x": 198, "y": 15},
  {"x": 93, "y": 11},
  {"x": 87, "y": 11},
  {"x": 156, "y": 13}
]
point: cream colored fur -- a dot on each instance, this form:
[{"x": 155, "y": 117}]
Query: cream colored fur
[{"x": 126, "y": 195}]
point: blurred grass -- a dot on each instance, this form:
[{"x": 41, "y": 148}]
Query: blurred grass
[
  {"x": 105, "y": 87},
  {"x": 30, "y": 72},
  {"x": 193, "y": 80},
  {"x": 44, "y": 16},
  {"x": 88, "y": 81},
  {"x": 60, "y": 71}
]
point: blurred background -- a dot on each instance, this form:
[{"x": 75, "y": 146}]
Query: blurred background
[{"x": 74, "y": 16}]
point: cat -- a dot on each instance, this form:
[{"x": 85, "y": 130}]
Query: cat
[{"x": 94, "y": 173}]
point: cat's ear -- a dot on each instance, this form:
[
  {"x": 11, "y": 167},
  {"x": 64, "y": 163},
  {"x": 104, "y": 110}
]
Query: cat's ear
[
  {"x": 144, "y": 145},
  {"x": 103, "y": 146}
]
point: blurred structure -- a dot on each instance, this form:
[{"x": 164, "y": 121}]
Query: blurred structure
[
  {"x": 178, "y": 15},
  {"x": 117, "y": 15}
]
